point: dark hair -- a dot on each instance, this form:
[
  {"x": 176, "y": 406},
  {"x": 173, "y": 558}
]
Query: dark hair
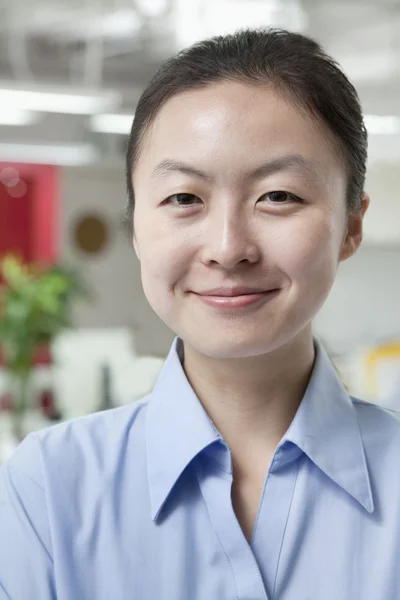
[{"x": 294, "y": 64}]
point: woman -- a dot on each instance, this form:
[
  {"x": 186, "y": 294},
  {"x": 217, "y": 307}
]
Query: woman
[{"x": 248, "y": 472}]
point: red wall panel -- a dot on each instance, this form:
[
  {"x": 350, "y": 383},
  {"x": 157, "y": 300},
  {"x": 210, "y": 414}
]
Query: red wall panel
[
  {"x": 29, "y": 217},
  {"x": 16, "y": 222},
  {"x": 29, "y": 222}
]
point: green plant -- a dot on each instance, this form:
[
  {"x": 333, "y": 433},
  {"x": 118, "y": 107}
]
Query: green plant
[{"x": 35, "y": 305}]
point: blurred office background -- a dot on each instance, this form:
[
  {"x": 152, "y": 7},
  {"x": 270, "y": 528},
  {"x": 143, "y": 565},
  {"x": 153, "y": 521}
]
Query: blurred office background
[{"x": 71, "y": 72}]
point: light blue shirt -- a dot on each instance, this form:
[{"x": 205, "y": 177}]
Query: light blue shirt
[{"x": 135, "y": 504}]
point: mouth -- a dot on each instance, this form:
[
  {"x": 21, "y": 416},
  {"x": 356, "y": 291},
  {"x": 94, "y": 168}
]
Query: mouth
[{"x": 235, "y": 298}]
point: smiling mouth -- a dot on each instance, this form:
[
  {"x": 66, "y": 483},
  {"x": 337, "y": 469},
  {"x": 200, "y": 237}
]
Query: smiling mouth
[{"x": 236, "y": 301}]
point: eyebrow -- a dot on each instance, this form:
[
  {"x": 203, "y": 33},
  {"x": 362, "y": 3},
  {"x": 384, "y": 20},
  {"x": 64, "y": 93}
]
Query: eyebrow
[
  {"x": 169, "y": 166},
  {"x": 290, "y": 162}
]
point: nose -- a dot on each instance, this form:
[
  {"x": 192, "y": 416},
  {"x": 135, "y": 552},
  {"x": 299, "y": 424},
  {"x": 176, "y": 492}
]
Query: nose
[{"x": 230, "y": 241}]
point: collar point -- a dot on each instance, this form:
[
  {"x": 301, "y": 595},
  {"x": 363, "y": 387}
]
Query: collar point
[
  {"x": 369, "y": 505},
  {"x": 155, "y": 513}
]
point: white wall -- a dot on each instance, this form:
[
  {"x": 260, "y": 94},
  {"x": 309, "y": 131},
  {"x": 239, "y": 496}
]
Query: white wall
[
  {"x": 382, "y": 221},
  {"x": 114, "y": 275},
  {"x": 364, "y": 305}
]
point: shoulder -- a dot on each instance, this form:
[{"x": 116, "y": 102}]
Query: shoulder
[
  {"x": 104, "y": 426},
  {"x": 73, "y": 445},
  {"x": 380, "y": 433},
  {"x": 371, "y": 415}
]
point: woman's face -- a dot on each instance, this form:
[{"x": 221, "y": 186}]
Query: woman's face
[{"x": 236, "y": 188}]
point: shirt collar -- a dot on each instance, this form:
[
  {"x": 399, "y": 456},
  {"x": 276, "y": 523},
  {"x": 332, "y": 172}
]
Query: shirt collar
[
  {"x": 325, "y": 428},
  {"x": 177, "y": 428}
]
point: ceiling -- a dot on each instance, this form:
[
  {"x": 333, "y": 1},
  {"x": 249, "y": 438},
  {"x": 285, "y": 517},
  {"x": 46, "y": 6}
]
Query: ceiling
[{"x": 119, "y": 44}]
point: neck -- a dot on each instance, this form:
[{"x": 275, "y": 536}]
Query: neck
[{"x": 253, "y": 400}]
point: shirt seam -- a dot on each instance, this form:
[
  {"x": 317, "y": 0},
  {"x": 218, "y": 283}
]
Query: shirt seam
[
  {"x": 199, "y": 467},
  {"x": 11, "y": 467},
  {"x": 258, "y": 569},
  {"x": 259, "y": 507},
  {"x": 10, "y": 470},
  {"x": 5, "y": 591},
  {"x": 284, "y": 532},
  {"x": 50, "y": 551},
  {"x": 382, "y": 408}
]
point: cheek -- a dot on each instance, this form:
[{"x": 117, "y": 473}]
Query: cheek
[
  {"x": 310, "y": 255},
  {"x": 164, "y": 255}
]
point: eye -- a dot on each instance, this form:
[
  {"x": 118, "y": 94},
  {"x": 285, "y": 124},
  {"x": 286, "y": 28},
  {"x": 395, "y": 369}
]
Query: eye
[
  {"x": 280, "y": 197},
  {"x": 183, "y": 200}
]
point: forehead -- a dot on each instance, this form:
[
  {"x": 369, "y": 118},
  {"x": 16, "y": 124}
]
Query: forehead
[{"x": 236, "y": 123}]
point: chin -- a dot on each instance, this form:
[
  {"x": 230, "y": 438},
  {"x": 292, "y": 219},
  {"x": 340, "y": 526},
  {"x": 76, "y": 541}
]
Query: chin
[
  {"x": 244, "y": 342},
  {"x": 229, "y": 347}
]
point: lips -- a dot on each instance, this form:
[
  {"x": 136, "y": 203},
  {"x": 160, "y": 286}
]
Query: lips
[
  {"x": 236, "y": 297},
  {"x": 233, "y": 291}
]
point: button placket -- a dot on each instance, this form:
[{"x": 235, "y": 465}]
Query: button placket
[{"x": 215, "y": 485}]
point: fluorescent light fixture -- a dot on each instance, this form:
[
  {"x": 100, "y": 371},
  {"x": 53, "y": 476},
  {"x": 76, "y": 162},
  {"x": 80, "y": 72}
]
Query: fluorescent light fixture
[
  {"x": 78, "y": 25},
  {"x": 17, "y": 116},
  {"x": 58, "y": 101},
  {"x": 108, "y": 123},
  {"x": 116, "y": 25},
  {"x": 200, "y": 19},
  {"x": 71, "y": 155},
  {"x": 151, "y": 8},
  {"x": 382, "y": 124}
]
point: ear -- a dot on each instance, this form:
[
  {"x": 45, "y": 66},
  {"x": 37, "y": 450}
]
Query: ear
[
  {"x": 135, "y": 245},
  {"x": 354, "y": 231}
]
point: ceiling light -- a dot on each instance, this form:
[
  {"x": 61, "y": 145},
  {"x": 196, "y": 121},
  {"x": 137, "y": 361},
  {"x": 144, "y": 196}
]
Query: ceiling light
[
  {"x": 57, "y": 101},
  {"x": 17, "y": 116},
  {"x": 382, "y": 124},
  {"x": 113, "y": 24},
  {"x": 118, "y": 123},
  {"x": 71, "y": 155},
  {"x": 151, "y": 8},
  {"x": 201, "y": 19}
]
